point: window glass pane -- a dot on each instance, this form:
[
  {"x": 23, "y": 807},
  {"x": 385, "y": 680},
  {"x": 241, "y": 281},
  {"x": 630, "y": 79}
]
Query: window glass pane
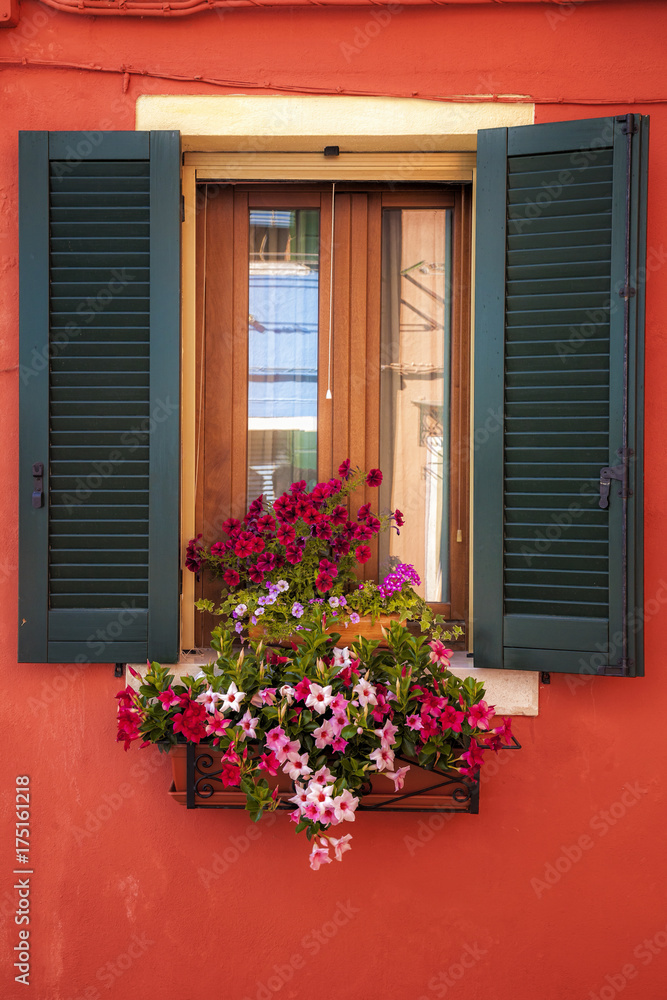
[
  {"x": 414, "y": 392},
  {"x": 283, "y": 295}
]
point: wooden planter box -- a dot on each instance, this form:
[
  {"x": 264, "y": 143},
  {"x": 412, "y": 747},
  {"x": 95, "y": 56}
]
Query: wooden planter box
[
  {"x": 424, "y": 790},
  {"x": 365, "y": 628}
]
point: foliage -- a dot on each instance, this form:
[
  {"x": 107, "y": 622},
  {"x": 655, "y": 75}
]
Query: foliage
[
  {"x": 291, "y": 566},
  {"x": 328, "y": 717}
]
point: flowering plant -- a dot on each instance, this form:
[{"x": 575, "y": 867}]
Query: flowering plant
[
  {"x": 327, "y": 717},
  {"x": 290, "y": 565}
]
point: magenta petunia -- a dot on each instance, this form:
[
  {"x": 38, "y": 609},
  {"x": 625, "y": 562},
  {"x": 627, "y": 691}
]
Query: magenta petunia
[
  {"x": 374, "y": 477},
  {"x": 363, "y": 554},
  {"x": 231, "y": 578},
  {"x": 344, "y": 469}
]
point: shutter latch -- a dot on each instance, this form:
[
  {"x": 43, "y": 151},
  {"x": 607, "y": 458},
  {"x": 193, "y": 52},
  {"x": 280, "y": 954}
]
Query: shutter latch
[
  {"x": 38, "y": 484},
  {"x": 618, "y": 472}
]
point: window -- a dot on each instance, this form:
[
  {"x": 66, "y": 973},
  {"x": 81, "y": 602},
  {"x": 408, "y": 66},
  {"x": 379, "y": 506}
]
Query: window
[
  {"x": 397, "y": 361},
  {"x": 557, "y": 394}
]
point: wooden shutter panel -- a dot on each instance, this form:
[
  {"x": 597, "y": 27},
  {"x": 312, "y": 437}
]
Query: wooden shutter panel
[
  {"x": 558, "y": 396},
  {"x": 99, "y": 396}
]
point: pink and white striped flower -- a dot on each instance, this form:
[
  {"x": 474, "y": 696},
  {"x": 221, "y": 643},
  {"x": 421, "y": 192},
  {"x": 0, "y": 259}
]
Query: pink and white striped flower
[
  {"x": 345, "y": 805},
  {"x": 248, "y": 725},
  {"x": 231, "y": 700},
  {"x": 296, "y": 766},
  {"x": 365, "y": 693},
  {"x": 208, "y": 699}
]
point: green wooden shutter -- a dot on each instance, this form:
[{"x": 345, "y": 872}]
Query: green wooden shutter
[
  {"x": 99, "y": 396},
  {"x": 558, "y": 396}
]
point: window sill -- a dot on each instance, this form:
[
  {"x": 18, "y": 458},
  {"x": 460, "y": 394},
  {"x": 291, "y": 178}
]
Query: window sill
[{"x": 513, "y": 692}]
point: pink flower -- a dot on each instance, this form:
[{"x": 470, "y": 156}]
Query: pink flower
[
  {"x": 439, "y": 653},
  {"x": 296, "y": 766},
  {"x": 302, "y": 689},
  {"x": 328, "y": 816},
  {"x": 167, "y": 698},
  {"x": 344, "y": 469},
  {"x": 339, "y": 744},
  {"x": 217, "y": 725},
  {"x": 383, "y": 758},
  {"x": 374, "y": 477},
  {"x": 387, "y": 734},
  {"x": 345, "y": 805},
  {"x": 283, "y": 752},
  {"x": 479, "y": 715},
  {"x": 474, "y": 758},
  {"x": 248, "y": 725},
  {"x": 208, "y": 699},
  {"x": 324, "y": 735},
  {"x": 398, "y": 777},
  {"x": 319, "y": 698},
  {"x": 365, "y": 693},
  {"x": 300, "y": 798},
  {"x": 451, "y": 719},
  {"x": 319, "y": 856},
  {"x": 276, "y": 738},
  {"x": 414, "y": 722},
  {"x": 312, "y": 811},
  {"x": 341, "y": 845},
  {"x": 363, "y": 554},
  {"x": 231, "y": 577},
  {"x": 269, "y": 763}
]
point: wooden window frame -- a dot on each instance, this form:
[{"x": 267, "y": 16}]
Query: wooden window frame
[{"x": 349, "y": 424}]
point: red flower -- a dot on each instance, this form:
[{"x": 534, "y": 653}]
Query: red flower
[
  {"x": 302, "y": 689},
  {"x": 335, "y": 485},
  {"x": 266, "y": 524},
  {"x": 230, "y": 524},
  {"x": 230, "y": 774},
  {"x": 344, "y": 469},
  {"x": 324, "y": 582},
  {"x": 363, "y": 554},
  {"x": 374, "y": 477},
  {"x": 340, "y": 546},
  {"x": 293, "y": 554},
  {"x": 266, "y": 562},
  {"x": 339, "y": 515},
  {"x": 398, "y": 517},
  {"x": 193, "y": 555},
  {"x": 231, "y": 578},
  {"x": 301, "y": 505},
  {"x": 328, "y": 567},
  {"x": 323, "y": 529},
  {"x": 244, "y": 545},
  {"x": 255, "y": 509},
  {"x": 256, "y": 575},
  {"x": 310, "y": 515},
  {"x": 373, "y": 523},
  {"x": 320, "y": 494},
  {"x": 191, "y": 722},
  {"x": 257, "y": 544},
  {"x": 363, "y": 532},
  {"x": 269, "y": 762},
  {"x": 286, "y": 533},
  {"x": 298, "y": 487},
  {"x": 363, "y": 512},
  {"x": 218, "y": 548}
]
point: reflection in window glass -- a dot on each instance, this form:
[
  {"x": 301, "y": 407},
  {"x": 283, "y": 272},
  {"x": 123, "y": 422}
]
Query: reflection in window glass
[
  {"x": 283, "y": 295},
  {"x": 414, "y": 392}
]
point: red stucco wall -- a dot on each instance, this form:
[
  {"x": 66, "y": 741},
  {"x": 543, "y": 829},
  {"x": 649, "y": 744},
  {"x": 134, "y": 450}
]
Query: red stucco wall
[{"x": 556, "y": 890}]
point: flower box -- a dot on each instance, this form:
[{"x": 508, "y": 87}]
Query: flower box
[
  {"x": 365, "y": 628},
  {"x": 425, "y": 790}
]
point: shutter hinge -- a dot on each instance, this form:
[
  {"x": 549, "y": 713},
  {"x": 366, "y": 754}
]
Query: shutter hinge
[
  {"x": 627, "y": 292},
  {"x": 119, "y": 669},
  {"x": 618, "y": 472},
  {"x": 629, "y": 124},
  {"x": 619, "y": 669}
]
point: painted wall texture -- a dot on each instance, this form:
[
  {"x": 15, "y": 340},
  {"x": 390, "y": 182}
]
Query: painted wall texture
[{"x": 556, "y": 890}]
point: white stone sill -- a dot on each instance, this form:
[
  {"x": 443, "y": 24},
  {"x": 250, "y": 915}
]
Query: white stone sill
[{"x": 513, "y": 692}]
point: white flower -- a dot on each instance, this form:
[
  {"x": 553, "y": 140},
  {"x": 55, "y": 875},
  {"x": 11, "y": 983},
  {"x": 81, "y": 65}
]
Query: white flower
[
  {"x": 208, "y": 698},
  {"x": 319, "y": 697},
  {"x": 231, "y": 701},
  {"x": 287, "y": 693},
  {"x": 282, "y": 586},
  {"x": 365, "y": 692}
]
